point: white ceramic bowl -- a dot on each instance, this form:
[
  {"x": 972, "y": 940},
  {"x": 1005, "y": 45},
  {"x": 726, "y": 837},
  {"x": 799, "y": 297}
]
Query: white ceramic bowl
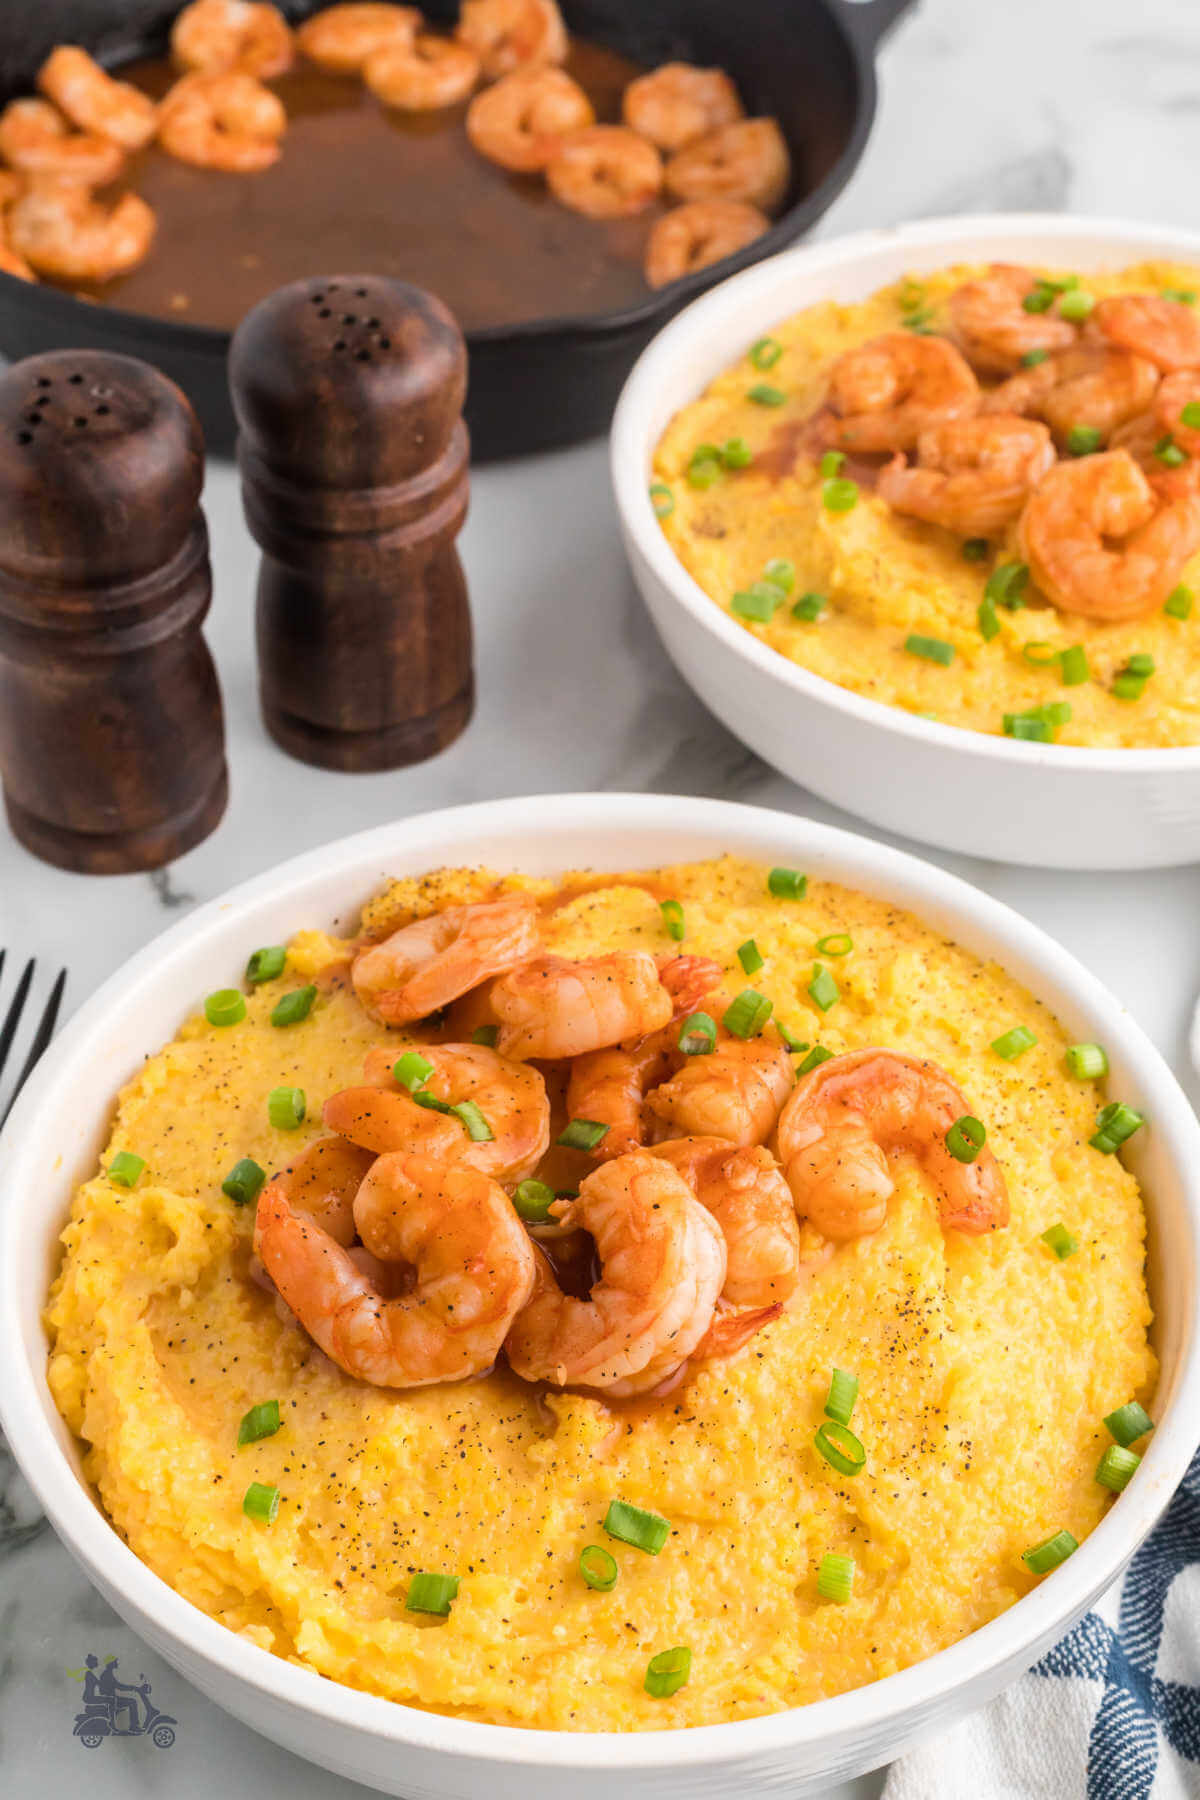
[
  {"x": 60, "y": 1123},
  {"x": 1055, "y": 805}
]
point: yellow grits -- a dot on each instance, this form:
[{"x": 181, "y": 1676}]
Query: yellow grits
[
  {"x": 884, "y": 576},
  {"x": 985, "y": 1369}
]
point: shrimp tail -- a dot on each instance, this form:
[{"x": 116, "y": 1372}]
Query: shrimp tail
[{"x": 729, "y": 1331}]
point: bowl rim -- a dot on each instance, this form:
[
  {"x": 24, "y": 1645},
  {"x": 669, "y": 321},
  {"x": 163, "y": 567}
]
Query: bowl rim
[
  {"x": 964, "y": 237},
  {"x": 26, "y": 1146}
]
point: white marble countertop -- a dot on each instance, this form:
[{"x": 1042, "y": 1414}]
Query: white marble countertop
[{"x": 1034, "y": 104}]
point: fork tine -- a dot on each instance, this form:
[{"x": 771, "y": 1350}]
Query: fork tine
[
  {"x": 12, "y": 1018},
  {"x": 41, "y": 1038}
]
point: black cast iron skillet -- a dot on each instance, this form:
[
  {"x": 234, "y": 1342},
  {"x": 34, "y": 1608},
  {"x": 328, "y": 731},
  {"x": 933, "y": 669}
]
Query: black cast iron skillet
[{"x": 551, "y": 381}]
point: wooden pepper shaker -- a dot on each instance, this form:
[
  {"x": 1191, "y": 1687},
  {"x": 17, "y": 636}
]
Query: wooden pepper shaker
[
  {"x": 111, "y": 736},
  {"x": 353, "y": 453}
]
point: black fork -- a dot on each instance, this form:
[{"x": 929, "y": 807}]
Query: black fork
[{"x": 12, "y": 1020}]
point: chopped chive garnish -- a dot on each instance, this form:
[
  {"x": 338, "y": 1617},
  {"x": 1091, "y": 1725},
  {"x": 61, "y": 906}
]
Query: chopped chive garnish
[
  {"x": 412, "y": 1070},
  {"x": 759, "y": 602},
  {"x": 736, "y": 453},
  {"x": 835, "y": 1577},
  {"x": 750, "y": 957},
  {"x": 1169, "y": 454},
  {"x": 583, "y": 1134},
  {"x": 226, "y": 1007},
  {"x": 1128, "y": 687},
  {"x": 1117, "y": 1467},
  {"x": 667, "y": 1672},
  {"x": 816, "y": 1056},
  {"x": 1039, "y": 299},
  {"x": 787, "y": 884},
  {"x": 976, "y": 549},
  {"x": 262, "y": 1421},
  {"x": 965, "y": 1139},
  {"x": 261, "y": 1502},
  {"x": 766, "y": 353},
  {"x": 266, "y": 964},
  {"x": 823, "y": 990},
  {"x": 598, "y": 1568},
  {"x": 1179, "y": 602},
  {"x": 782, "y": 573},
  {"x": 932, "y": 649},
  {"x": 533, "y": 1200},
  {"x": 294, "y": 1006},
  {"x": 839, "y": 495},
  {"x": 704, "y": 466},
  {"x": 1073, "y": 666},
  {"x": 1129, "y": 1423},
  {"x": 1190, "y": 415},
  {"x": 763, "y": 394},
  {"x": 840, "y": 1448},
  {"x": 792, "y": 1042},
  {"x": 125, "y": 1168},
  {"x": 661, "y": 499},
  {"x": 1115, "y": 1124},
  {"x": 1032, "y": 358},
  {"x": 989, "y": 624},
  {"x": 1140, "y": 663},
  {"x": 644, "y": 1530},
  {"x": 672, "y": 918},
  {"x": 1006, "y": 583},
  {"x": 746, "y": 1016},
  {"x": 836, "y": 943},
  {"x": 431, "y": 1594},
  {"x": 1050, "y": 1552},
  {"x": 1014, "y": 1043},
  {"x": 1039, "y": 724},
  {"x": 1185, "y": 296},
  {"x": 809, "y": 606},
  {"x": 1060, "y": 1241},
  {"x": 487, "y": 1035},
  {"x": 1087, "y": 1062},
  {"x": 843, "y": 1392},
  {"x": 1076, "y": 306},
  {"x": 1082, "y": 440},
  {"x": 286, "y": 1107},
  {"x": 430, "y": 1102},
  {"x": 698, "y": 1034},
  {"x": 473, "y": 1122},
  {"x": 831, "y": 463},
  {"x": 244, "y": 1181},
  {"x": 1039, "y": 653}
]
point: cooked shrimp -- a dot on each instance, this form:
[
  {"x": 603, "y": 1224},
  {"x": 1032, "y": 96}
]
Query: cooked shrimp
[
  {"x": 992, "y": 327},
  {"x": 843, "y": 1118},
  {"x": 429, "y": 73},
  {"x": 1089, "y": 385},
  {"x": 743, "y": 1188},
  {"x": 747, "y": 160},
  {"x": 425, "y": 965},
  {"x": 1101, "y": 543},
  {"x": 232, "y": 34},
  {"x": 36, "y": 139},
  {"x": 341, "y": 38},
  {"x": 557, "y": 1007},
  {"x": 735, "y": 1092},
  {"x": 886, "y": 392},
  {"x": 322, "y": 1183},
  {"x": 93, "y": 101},
  {"x": 63, "y": 232},
  {"x": 662, "y": 1266},
  {"x": 474, "y": 1271},
  {"x": 521, "y": 120},
  {"x": 504, "y": 34},
  {"x": 700, "y": 232},
  {"x": 609, "y": 1087},
  {"x": 605, "y": 171},
  {"x": 972, "y": 476},
  {"x": 678, "y": 102},
  {"x": 228, "y": 121},
  {"x": 1164, "y": 332},
  {"x": 511, "y": 1097}
]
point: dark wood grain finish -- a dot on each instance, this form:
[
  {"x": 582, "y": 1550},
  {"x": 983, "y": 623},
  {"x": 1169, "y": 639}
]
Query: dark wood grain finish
[
  {"x": 353, "y": 454},
  {"x": 111, "y": 733}
]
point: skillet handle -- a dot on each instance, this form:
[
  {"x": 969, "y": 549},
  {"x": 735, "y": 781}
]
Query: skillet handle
[{"x": 869, "y": 21}]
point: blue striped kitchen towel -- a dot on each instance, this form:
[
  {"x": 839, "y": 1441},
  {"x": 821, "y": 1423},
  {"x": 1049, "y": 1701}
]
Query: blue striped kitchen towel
[{"x": 1112, "y": 1713}]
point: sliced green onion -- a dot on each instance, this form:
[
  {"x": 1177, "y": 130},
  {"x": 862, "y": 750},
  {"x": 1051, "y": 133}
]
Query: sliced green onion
[
  {"x": 1039, "y": 299},
  {"x": 294, "y": 1006},
  {"x": 533, "y": 1200},
  {"x": 1129, "y": 1423},
  {"x": 286, "y": 1107},
  {"x": 750, "y": 957},
  {"x": 125, "y": 1168},
  {"x": 1128, "y": 687},
  {"x": 809, "y": 606},
  {"x": 698, "y": 1034},
  {"x": 831, "y": 463},
  {"x": 843, "y": 1392},
  {"x": 782, "y": 572},
  {"x": 746, "y": 1016},
  {"x": 1060, "y": 1241},
  {"x": 473, "y": 1122},
  {"x": 1013, "y": 1043},
  {"x": 835, "y": 1577},
  {"x": 840, "y": 1448},
  {"x": 976, "y": 549},
  {"x": 583, "y": 1134},
  {"x": 989, "y": 624},
  {"x": 667, "y": 1672},
  {"x": 672, "y": 918},
  {"x": 226, "y": 1007},
  {"x": 487, "y": 1035},
  {"x": 1082, "y": 440},
  {"x": 412, "y": 1070},
  {"x": 1087, "y": 1062},
  {"x": 839, "y": 495},
  {"x": 766, "y": 353},
  {"x": 759, "y": 602},
  {"x": 661, "y": 499},
  {"x": 1168, "y": 452},
  {"x": 736, "y": 453},
  {"x": 430, "y": 1102},
  {"x": 1115, "y": 1124},
  {"x": 792, "y": 1042},
  {"x": 912, "y": 294},
  {"x": 1117, "y": 1467},
  {"x": 1050, "y": 1552},
  {"x": 787, "y": 884},
  {"x": 823, "y": 990},
  {"x": 1179, "y": 602},
  {"x": 261, "y": 1502},
  {"x": 763, "y": 394},
  {"x": 1190, "y": 415},
  {"x": 935, "y": 650},
  {"x": 1006, "y": 583},
  {"x": 919, "y": 321},
  {"x": 431, "y": 1593},
  {"x": 1073, "y": 666},
  {"x": 262, "y": 1421},
  {"x": 244, "y": 1181},
  {"x": 1076, "y": 306},
  {"x": 1039, "y": 724},
  {"x": 632, "y": 1525},
  {"x": 837, "y": 943},
  {"x": 965, "y": 1139},
  {"x": 1032, "y": 358},
  {"x": 1140, "y": 663},
  {"x": 598, "y": 1568},
  {"x": 266, "y": 964},
  {"x": 1185, "y": 296},
  {"x": 1039, "y": 653},
  {"x": 816, "y": 1056},
  {"x": 704, "y": 466}
]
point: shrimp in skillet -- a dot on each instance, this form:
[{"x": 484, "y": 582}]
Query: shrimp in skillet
[
  {"x": 520, "y": 122},
  {"x": 423, "y": 966},
  {"x": 747, "y": 160},
  {"x": 885, "y": 393},
  {"x": 422, "y": 76},
  {"x": 971, "y": 476},
  {"x": 844, "y": 1117},
  {"x": 60, "y": 230},
  {"x": 1163, "y": 332},
  {"x": 734, "y": 1092},
  {"x": 505, "y": 34},
  {"x": 227, "y": 121},
  {"x": 93, "y": 101},
  {"x": 232, "y": 34},
  {"x": 744, "y": 1190},
  {"x": 36, "y": 140},
  {"x": 555, "y": 1007},
  {"x": 677, "y": 103},
  {"x": 604, "y": 171},
  {"x": 473, "y": 1263},
  {"x": 1102, "y": 543},
  {"x": 992, "y": 327},
  {"x": 1090, "y": 385},
  {"x": 662, "y": 1267},
  {"x": 339, "y": 39},
  {"x": 699, "y": 232}
]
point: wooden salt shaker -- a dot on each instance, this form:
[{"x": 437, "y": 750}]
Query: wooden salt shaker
[
  {"x": 353, "y": 453},
  {"x": 111, "y": 737}
]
